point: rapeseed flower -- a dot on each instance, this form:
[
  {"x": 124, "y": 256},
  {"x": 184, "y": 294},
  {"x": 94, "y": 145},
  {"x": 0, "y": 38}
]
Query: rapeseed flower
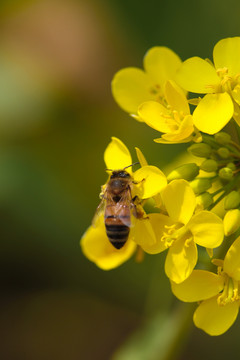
[
  {"x": 145, "y": 183},
  {"x": 219, "y": 81},
  {"x": 132, "y": 86},
  {"x": 218, "y": 293},
  {"x": 172, "y": 117},
  {"x": 180, "y": 230}
]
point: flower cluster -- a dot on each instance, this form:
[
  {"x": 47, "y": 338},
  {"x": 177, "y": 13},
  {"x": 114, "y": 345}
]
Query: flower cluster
[{"x": 195, "y": 206}]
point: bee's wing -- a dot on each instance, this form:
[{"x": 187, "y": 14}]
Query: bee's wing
[
  {"x": 99, "y": 212},
  {"x": 125, "y": 209}
]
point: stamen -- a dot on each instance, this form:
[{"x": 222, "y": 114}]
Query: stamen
[
  {"x": 230, "y": 291},
  {"x": 176, "y": 117},
  {"x": 237, "y": 76},
  {"x": 222, "y": 71},
  {"x": 188, "y": 241},
  {"x": 174, "y": 233}
]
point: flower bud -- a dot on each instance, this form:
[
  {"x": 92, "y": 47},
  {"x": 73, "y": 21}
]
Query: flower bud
[
  {"x": 200, "y": 150},
  {"x": 231, "y": 166},
  {"x": 204, "y": 200},
  {"x": 222, "y": 138},
  {"x": 200, "y": 185},
  {"x": 209, "y": 165},
  {"x": 225, "y": 173},
  {"x": 232, "y": 200},
  {"x": 186, "y": 172},
  {"x": 231, "y": 221},
  {"x": 223, "y": 152}
]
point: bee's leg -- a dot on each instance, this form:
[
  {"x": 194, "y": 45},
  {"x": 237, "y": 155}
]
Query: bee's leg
[
  {"x": 138, "y": 182},
  {"x": 102, "y": 194},
  {"x": 141, "y": 213},
  {"x": 138, "y": 210}
]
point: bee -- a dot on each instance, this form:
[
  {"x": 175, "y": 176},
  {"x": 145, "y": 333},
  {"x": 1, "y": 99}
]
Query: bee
[{"x": 118, "y": 207}]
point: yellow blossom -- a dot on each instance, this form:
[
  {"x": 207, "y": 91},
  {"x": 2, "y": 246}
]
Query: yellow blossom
[
  {"x": 171, "y": 117},
  {"x": 181, "y": 230},
  {"x": 145, "y": 183},
  {"x": 218, "y": 293},
  {"x": 133, "y": 86},
  {"x": 98, "y": 249},
  {"x": 220, "y": 82}
]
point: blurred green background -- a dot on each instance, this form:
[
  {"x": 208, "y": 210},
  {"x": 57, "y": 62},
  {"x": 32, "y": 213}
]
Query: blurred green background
[{"x": 57, "y": 59}]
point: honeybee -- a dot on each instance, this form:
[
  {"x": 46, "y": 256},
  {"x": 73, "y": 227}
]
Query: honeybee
[{"x": 118, "y": 206}]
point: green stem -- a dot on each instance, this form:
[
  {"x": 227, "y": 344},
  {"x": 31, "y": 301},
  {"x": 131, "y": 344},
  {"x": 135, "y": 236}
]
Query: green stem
[
  {"x": 235, "y": 145},
  {"x": 238, "y": 131},
  {"x": 227, "y": 188},
  {"x": 210, "y": 141},
  {"x": 217, "y": 192}
]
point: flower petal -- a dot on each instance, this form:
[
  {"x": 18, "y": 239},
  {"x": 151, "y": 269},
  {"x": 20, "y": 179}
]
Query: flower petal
[
  {"x": 214, "y": 319},
  {"x": 236, "y": 94},
  {"x": 176, "y": 98},
  {"x": 213, "y": 112},
  {"x": 151, "y": 181},
  {"x": 226, "y": 54},
  {"x": 161, "y": 140},
  {"x": 158, "y": 222},
  {"x": 231, "y": 263},
  {"x": 179, "y": 200},
  {"x": 142, "y": 233},
  {"x": 181, "y": 260},
  {"x": 198, "y": 76},
  {"x": 98, "y": 249},
  {"x": 117, "y": 156},
  {"x": 155, "y": 115},
  {"x": 161, "y": 64},
  {"x": 199, "y": 286},
  {"x": 184, "y": 131},
  {"x": 207, "y": 229},
  {"x": 231, "y": 221},
  {"x": 141, "y": 157},
  {"x": 131, "y": 87},
  {"x": 236, "y": 114}
]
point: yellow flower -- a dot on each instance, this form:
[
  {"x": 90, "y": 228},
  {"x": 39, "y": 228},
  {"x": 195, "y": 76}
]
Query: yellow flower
[
  {"x": 219, "y": 294},
  {"x": 220, "y": 82},
  {"x": 181, "y": 230},
  {"x": 145, "y": 182},
  {"x": 173, "y": 118},
  {"x": 132, "y": 86},
  {"x": 98, "y": 249}
]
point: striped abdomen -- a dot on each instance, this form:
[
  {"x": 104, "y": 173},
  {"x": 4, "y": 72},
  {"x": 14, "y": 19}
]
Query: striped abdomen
[{"x": 118, "y": 227}]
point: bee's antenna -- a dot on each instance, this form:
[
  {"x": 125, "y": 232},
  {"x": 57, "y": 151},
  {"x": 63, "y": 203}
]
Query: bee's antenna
[
  {"x": 124, "y": 167},
  {"x": 131, "y": 165}
]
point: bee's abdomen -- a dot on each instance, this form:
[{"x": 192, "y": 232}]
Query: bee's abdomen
[{"x": 117, "y": 234}]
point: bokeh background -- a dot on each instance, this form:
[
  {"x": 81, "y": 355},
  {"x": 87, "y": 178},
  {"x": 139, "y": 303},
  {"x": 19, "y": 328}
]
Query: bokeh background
[{"x": 57, "y": 59}]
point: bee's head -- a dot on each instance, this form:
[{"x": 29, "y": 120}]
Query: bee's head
[{"x": 120, "y": 174}]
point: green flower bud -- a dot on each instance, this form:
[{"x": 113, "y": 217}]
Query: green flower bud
[
  {"x": 200, "y": 185},
  {"x": 186, "y": 172},
  {"x": 232, "y": 200},
  {"x": 222, "y": 138},
  {"x": 223, "y": 152},
  {"x": 209, "y": 165},
  {"x": 231, "y": 221},
  {"x": 200, "y": 150},
  {"x": 204, "y": 200},
  {"x": 225, "y": 173},
  {"x": 231, "y": 166}
]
